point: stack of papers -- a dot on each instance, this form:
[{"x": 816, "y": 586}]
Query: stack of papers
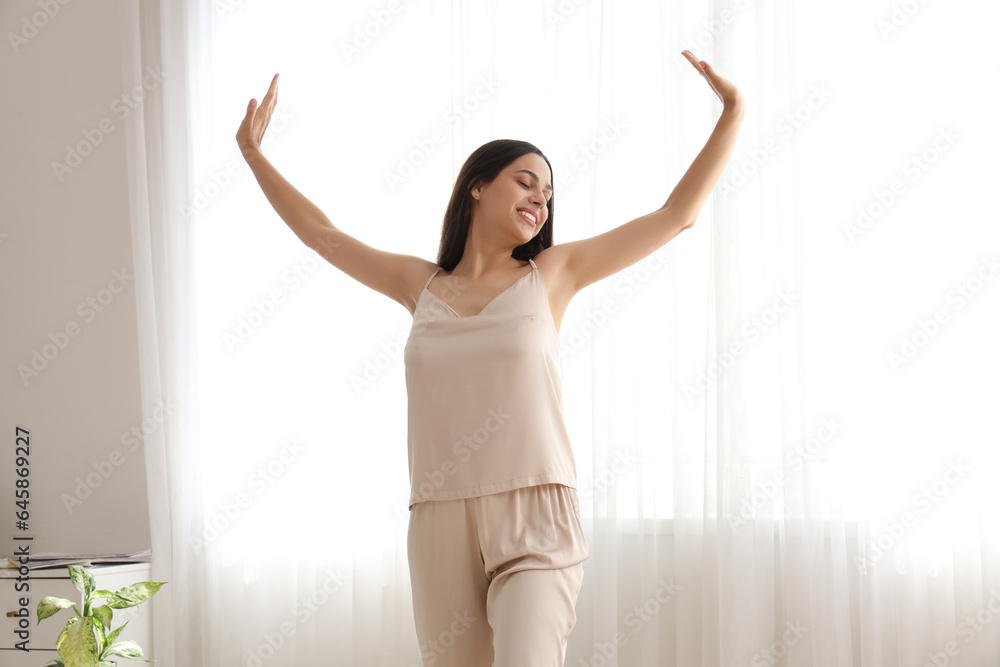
[{"x": 49, "y": 559}]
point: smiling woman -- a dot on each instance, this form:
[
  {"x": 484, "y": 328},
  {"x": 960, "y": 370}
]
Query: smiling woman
[
  {"x": 485, "y": 369},
  {"x": 755, "y": 475}
]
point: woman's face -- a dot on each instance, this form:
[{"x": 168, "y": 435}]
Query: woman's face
[{"x": 519, "y": 192}]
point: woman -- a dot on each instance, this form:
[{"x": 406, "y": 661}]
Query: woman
[{"x": 495, "y": 542}]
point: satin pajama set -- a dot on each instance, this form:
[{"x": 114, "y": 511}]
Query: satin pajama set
[{"x": 495, "y": 542}]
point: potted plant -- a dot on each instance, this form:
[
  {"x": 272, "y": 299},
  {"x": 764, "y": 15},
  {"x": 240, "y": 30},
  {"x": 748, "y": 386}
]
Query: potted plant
[{"x": 87, "y": 640}]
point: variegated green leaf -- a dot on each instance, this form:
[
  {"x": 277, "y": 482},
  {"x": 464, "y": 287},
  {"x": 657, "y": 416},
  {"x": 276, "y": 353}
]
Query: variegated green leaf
[
  {"x": 50, "y": 605},
  {"x": 101, "y": 641},
  {"x": 126, "y": 649},
  {"x": 76, "y": 644},
  {"x": 113, "y": 597},
  {"x": 135, "y": 594},
  {"x": 129, "y": 650},
  {"x": 103, "y": 614},
  {"x": 82, "y": 579},
  {"x": 117, "y": 631}
]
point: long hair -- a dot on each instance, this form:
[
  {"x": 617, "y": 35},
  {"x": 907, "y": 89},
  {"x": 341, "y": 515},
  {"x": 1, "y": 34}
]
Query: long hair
[{"x": 485, "y": 164}]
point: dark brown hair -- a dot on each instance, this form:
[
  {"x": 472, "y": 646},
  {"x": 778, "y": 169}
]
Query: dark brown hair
[{"x": 485, "y": 164}]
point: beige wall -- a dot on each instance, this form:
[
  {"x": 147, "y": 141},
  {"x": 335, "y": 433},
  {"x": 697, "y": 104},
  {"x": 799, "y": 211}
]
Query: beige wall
[{"x": 66, "y": 285}]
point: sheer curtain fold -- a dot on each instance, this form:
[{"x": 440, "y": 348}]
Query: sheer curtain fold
[
  {"x": 159, "y": 146},
  {"x": 711, "y": 484}
]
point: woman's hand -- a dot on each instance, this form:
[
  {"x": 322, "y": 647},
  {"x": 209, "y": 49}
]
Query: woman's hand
[
  {"x": 730, "y": 95},
  {"x": 255, "y": 122}
]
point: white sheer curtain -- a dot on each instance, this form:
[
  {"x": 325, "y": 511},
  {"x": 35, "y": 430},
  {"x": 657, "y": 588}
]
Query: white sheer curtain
[
  {"x": 761, "y": 484},
  {"x": 163, "y": 142}
]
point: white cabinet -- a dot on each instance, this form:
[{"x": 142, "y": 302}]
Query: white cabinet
[{"x": 56, "y": 582}]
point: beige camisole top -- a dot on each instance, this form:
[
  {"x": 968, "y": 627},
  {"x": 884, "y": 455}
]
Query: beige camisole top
[{"x": 484, "y": 396}]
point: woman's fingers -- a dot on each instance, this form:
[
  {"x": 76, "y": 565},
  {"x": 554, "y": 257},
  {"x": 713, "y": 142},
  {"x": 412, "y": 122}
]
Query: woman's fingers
[
  {"x": 272, "y": 94},
  {"x": 267, "y": 107},
  {"x": 256, "y": 120},
  {"x": 723, "y": 89},
  {"x": 694, "y": 61},
  {"x": 701, "y": 67},
  {"x": 244, "y": 136},
  {"x": 243, "y": 131}
]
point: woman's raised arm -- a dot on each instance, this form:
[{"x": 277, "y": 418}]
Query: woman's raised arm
[
  {"x": 301, "y": 215},
  {"x": 588, "y": 260},
  {"x": 392, "y": 274}
]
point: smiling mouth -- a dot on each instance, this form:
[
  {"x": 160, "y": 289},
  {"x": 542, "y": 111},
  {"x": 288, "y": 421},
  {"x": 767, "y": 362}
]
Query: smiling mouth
[{"x": 526, "y": 218}]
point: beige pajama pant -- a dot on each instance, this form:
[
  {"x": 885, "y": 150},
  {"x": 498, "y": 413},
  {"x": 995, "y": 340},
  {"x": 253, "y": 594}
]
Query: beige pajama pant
[{"x": 495, "y": 578}]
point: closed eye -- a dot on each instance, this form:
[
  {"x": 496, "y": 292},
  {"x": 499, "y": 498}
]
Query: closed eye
[{"x": 528, "y": 187}]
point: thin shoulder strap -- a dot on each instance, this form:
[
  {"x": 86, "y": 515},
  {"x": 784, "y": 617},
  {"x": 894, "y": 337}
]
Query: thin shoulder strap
[
  {"x": 532, "y": 263},
  {"x": 432, "y": 277}
]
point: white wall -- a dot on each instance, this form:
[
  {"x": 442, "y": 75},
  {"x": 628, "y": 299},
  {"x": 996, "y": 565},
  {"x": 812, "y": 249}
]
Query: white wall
[{"x": 65, "y": 242}]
